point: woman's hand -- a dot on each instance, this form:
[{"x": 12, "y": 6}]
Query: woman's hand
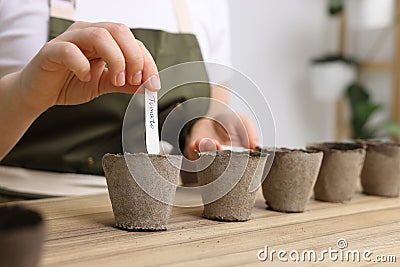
[
  {"x": 86, "y": 61},
  {"x": 230, "y": 128}
]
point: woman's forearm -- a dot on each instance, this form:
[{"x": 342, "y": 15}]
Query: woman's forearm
[
  {"x": 221, "y": 95},
  {"x": 15, "y": 115}
]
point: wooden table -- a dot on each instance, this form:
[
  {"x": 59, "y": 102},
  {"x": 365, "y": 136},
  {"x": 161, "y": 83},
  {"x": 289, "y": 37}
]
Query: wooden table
[{"x": 81, "y": 233}]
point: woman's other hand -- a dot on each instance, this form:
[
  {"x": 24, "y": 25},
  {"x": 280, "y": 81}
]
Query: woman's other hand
[{"x": 229, "y": 128}]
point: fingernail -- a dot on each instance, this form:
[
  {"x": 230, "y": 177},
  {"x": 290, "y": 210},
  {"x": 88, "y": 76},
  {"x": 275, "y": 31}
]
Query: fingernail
[
  {"x": 207, "y": 144},
  {"x": 137, "y": 78},
  {"x": 120, "y": 79},
  {"x": 155, "y": 82}
]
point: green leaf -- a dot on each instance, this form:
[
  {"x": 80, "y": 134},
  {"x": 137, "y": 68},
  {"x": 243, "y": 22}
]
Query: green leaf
[
  {"x": 393, "y": 129},
  {"x": 335, "y": 7},
  {"x": 362, "y": 109},
  {"x": 356, "y": 94}
]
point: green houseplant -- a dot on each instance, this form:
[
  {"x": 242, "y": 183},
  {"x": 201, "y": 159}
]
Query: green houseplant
[{"x": 362, "y": 109}]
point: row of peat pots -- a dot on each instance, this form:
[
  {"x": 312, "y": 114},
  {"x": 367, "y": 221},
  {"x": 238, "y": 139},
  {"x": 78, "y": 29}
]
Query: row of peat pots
[{"x": 332, "y": 170}]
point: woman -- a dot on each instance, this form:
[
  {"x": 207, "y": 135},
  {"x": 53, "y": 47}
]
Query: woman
[{"x": 82, "y": 62}]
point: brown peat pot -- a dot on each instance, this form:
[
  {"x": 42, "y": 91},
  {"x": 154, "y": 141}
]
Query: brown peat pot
[
  {"x": 133, "y": 207},
  {"x": 22, "y": 233},
  {"x": 340, "y": 170},
  {"x": 381, "y": 171},
  {"x": 246, "y": 168},
  {"x": 290, "y": 181}
]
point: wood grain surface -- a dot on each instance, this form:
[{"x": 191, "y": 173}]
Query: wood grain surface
[{"x": 81, "y": 233}]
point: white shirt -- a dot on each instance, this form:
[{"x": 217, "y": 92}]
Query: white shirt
[{"x": 24, "y": 30}]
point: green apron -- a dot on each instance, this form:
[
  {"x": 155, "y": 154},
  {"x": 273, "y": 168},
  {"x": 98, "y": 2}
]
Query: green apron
[{"x": 74, "y": 138}]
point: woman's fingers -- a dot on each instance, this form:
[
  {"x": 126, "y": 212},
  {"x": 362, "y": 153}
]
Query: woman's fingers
[
  {"x": 207, "y": 145},
  {"x": 99, "y": 43},
  {"x": 247, "y": 132},
  {"x": 66, "y": 54},
  {"x": 202, "y": 145},
  {"x": 130, "y": 49},
  {"x": 106, "y": 86},
  {"x": 150, "y": 72},
  {"x": 127, "y": 58},
  {"x": 236, "y": 129},
  {"x": 70, "y": 56}
]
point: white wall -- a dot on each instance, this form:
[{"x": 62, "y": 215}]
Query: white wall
[
  {"x": 273, "y": 42},
  {"x": 375, "y": 45}
]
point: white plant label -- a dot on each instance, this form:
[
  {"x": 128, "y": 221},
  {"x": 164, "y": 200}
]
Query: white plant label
[
  {"x": 151, "y": 117},
  {"x": 235, "y": 148}
]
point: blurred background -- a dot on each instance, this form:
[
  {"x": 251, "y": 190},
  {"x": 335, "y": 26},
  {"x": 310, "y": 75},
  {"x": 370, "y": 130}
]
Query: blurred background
[{"x": 328, "y": 68}]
